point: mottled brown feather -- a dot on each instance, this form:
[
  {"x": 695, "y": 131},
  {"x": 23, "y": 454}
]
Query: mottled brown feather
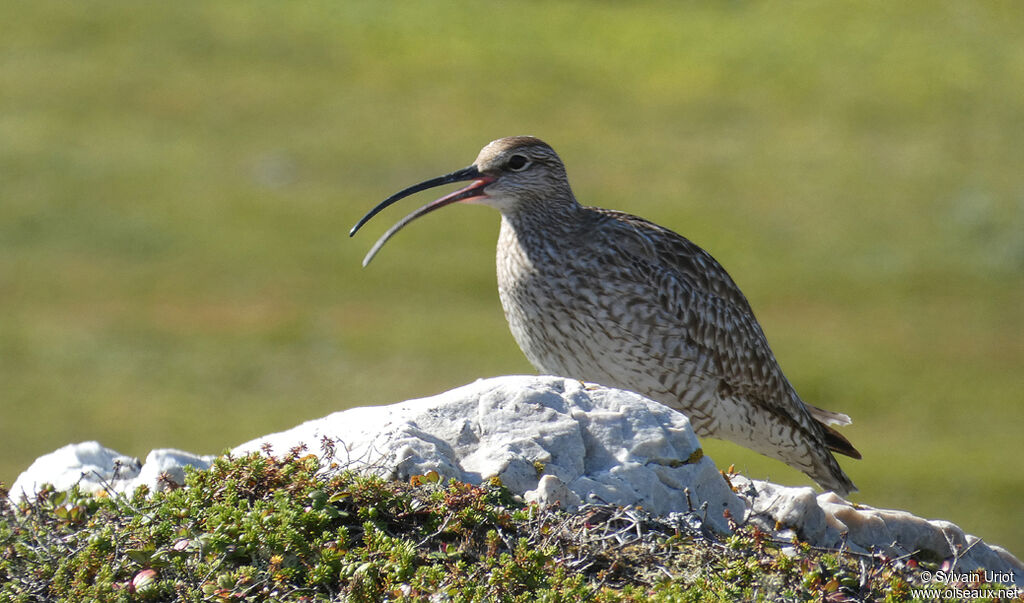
[{"x": 605, "y": 296}]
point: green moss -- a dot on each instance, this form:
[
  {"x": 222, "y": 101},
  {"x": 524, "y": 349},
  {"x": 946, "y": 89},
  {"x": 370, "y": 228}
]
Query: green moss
[{"x": 259, "y": 528}]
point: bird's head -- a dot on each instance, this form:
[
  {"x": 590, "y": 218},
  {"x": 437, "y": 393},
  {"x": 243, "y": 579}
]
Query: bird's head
[
  {"x": 523, "y": 170},
  {"x": 510, "y": 174}
]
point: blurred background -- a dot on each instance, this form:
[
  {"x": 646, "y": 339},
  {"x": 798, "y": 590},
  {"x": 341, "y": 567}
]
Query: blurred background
[{"x": 177, "y": 184}]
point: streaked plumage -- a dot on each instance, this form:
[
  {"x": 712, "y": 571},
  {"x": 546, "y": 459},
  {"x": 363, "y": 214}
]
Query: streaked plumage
[{"x": 603, "y": 296}]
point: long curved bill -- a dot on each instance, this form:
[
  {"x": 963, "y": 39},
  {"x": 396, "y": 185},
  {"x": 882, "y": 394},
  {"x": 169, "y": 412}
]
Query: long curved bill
[{"x": 473, "y": 191}]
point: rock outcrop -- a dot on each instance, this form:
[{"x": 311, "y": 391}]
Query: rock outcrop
[{"x": 554, "y": 441}]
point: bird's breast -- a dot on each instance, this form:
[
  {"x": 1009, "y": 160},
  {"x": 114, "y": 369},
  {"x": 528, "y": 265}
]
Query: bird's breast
[{"x": 574, "y": 313}]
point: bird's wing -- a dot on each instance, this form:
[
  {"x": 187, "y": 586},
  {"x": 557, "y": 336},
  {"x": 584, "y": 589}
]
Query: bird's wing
[
  {"x": 712, "y": 311},
  {"x": 687, "y": 260}
]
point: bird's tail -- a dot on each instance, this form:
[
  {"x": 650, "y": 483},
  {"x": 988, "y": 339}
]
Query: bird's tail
[
  {"x": 830, "y": 475},
  {"x": 833, "y": 439},
  {"x": 837, "y": 442},
  {"x": 828, "y": 417},
  {"x": 827, "y": 471}
]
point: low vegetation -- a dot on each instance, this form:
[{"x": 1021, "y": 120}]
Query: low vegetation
[{"x": 259, "y": 528}]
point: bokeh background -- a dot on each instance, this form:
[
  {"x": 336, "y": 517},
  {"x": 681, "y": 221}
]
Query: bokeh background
[{"x": 177, "y": 183}]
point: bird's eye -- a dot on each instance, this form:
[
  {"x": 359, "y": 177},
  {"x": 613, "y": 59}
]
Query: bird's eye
[{"x": 518, "y": 163}]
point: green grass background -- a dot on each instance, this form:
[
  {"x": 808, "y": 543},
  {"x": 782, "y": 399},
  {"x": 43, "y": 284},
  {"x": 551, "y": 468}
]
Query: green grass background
[{"x": 177, "y": 182}]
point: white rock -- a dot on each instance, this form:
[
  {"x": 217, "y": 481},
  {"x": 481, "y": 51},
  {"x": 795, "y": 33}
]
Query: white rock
[
  {"x": 552, "y": 491},
  {"x": 826, "y": 520},
  {"x": 96, "y": 468},
  {"x": 600, "y": 444},
  {"x": 88, "y": 464},
  {"x": 166, "y": 466},
  {"x": 793, "y": 508}
]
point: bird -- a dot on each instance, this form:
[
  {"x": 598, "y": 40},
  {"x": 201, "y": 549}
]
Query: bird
[{"x": 610, "y": 298}]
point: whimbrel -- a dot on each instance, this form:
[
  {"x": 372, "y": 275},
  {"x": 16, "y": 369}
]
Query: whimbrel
[{"x": 606, "y": 297}]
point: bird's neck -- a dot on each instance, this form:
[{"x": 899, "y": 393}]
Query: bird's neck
[
  {"x": 539, "y": 231},
  {"x": 545, "y": 217}
]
